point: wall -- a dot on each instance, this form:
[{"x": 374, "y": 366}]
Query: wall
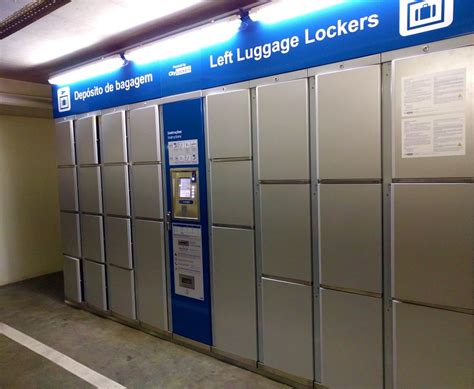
[{"x": 29, "y": 221}]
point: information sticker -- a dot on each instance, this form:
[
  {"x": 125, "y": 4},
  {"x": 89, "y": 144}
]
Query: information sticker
[{"x": 183, "y": 152}]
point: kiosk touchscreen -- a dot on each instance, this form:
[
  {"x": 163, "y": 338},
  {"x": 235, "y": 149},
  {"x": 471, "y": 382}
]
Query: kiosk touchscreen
[{"x": 185, "y": 194}]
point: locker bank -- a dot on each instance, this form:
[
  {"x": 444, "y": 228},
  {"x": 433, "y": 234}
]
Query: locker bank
[{"x": 287, "y": 187}]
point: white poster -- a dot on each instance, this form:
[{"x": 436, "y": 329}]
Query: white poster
[
  {"x": 434, "y": 93},
  {"x": 183, "y": 152},
  {"x": 187, "y": 258},
  {"x": 434, "y": 136}
]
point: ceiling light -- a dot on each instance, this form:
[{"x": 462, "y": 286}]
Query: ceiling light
[
  {"x": 189, "y": 41},
  {"x": 286, "y": 9},
  {"x": 93, "y": 69}
]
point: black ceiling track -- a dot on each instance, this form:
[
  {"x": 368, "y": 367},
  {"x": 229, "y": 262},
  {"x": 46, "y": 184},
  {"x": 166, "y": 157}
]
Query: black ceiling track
[{"x": 29, "y": 14}]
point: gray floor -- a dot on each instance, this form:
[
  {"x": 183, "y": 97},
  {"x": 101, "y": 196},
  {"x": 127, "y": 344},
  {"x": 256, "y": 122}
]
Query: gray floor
[{"x": 125, "y": 355}]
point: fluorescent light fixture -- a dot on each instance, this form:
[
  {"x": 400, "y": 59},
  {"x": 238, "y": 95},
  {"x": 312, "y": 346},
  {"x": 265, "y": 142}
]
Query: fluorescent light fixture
[
  {"x": 93, "y": 69},
  {"x": 189, "y": 41},
  {"x": 279, "y": 10}
]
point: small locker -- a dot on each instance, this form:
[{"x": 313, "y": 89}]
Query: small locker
[
  {"x": 147, "y": 191},
  {"x": 67, "y": 180},
  {"x": 287, "y": 327},
  {"x": 118, "y": 242},
  {"x": 116, "y": 190},
  {"x": 114, "y": 137},
  {"x": 92, "y": 238},
  {"x": 121, "y": 291},
  {"x": 232, "y": 200},
  {"x": 351, "y": 340},
  {"x": 235, "y": 321},
  {"x": 145, "y": 135},
  {"x": 150, "y": 273},
  {"x": 94, "y": 285},
  {"x": 283, "y": 130},
  {"x": 72, "y": 279},
  {"x": 86, "y": 141},
  {"x": 90, "y": 189},
  {"x": 286, "y": 231},
  {"x": 65, "y": 144},
  {"x": 70, "y": 234}
]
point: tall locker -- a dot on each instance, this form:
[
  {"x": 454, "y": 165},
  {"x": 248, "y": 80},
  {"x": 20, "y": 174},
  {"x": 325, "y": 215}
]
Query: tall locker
[
  {"x": 92, "y": 220},
  {"x": 284, "y": 228},
  {"x": 233, "y": 256},
  {"x": 348, "y": 132},
  {"x": 69, "y": 207},
  {"x": 432, "y": 203},
  {"x": 147, "y": 217}
]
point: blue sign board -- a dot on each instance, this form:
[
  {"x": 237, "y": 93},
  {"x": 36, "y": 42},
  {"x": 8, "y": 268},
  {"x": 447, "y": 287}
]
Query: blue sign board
[{"x": 351, "y": 29}]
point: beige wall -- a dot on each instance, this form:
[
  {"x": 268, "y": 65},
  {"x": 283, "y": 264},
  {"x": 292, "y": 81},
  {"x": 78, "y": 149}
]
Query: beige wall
[{"x": 29, "y": 217}]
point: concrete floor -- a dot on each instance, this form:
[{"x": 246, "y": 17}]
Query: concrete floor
[{"x": 128, "y": 356}]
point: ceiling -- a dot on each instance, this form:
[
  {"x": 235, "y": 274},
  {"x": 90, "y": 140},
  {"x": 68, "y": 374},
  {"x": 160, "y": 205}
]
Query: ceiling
[{"x": 83, "y": 30}]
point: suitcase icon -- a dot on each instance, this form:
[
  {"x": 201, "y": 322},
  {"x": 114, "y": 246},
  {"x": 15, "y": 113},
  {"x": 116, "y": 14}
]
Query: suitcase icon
[{"x": 427, "y": 11}]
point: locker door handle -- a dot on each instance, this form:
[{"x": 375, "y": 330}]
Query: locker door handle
[{"x": 168, "y": 221}]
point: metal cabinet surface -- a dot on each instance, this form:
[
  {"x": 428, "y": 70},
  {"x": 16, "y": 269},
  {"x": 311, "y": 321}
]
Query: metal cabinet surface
[
  {"x": 287, "y": 327},
  {"x": 144, "y": 135},
  {"x": 70, "y": 234},
  {"x": 147, "y": 191},
  {"x": 433, "y": 243},
  {"x": 232, "y": 193},
  {"x": 92, "y": 238},
  {"x": 286, "y": 231},
  {"x": 118, "y": 240},
  {"x": 65, "y": 152},
  {"x": 349, "y": 124},
  {"x": 283, "y": 130},
  {"x": 229, "y": 130},
  {"x": 90, "y": 189},
  {"x": 234, "y": 308},
  {"x": 113, "y": 132},
  {"x": 116, "y": 190},
  {"x": 72, "y": 279},
  {"x": 351, "y": 236},
  {"x": 86, "y": 141},
  {"x": 121, "y": 289},
  {"x": 150, "y": 273},
  {"x": 352, "y": 350},
  {"x": 94, "y": 285},
  {"x": 67, "y": 180}
]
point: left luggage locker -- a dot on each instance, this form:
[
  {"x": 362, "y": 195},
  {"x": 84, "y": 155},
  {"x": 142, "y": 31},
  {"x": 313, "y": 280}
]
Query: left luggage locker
[{"x": 69, "y": 207}]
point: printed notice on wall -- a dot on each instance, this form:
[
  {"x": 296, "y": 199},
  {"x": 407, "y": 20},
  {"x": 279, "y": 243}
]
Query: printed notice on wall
[
  {"x": 434, "y": 136},
  {"x": 183, "y": 152},
  {"x": 187, "y": 258},
  {"x": 434, "y": 93}
]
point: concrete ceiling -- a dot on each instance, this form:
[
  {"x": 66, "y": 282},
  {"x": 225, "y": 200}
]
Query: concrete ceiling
[{"x": 87, "y": 29}]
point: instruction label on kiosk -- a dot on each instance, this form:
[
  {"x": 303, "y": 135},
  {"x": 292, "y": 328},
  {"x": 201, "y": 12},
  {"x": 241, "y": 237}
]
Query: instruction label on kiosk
[
  {"x": 187, "y": 249},
  {"x": 183, "y": 152}
]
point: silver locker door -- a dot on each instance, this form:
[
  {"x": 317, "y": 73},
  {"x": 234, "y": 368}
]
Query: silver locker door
[
  {"x": 70, "y": 234},
  {"x": 351, "y": 236},
  {"x": 92, "y": 238},
  {"x": 121, "y": 291},
  {"x": 65, "y": 143},
  {"x": 447, "y": 77},
  {"x": 229, "y": 129},
  {"x": 72, "y": 279},
  {"x": 94, "y": 285},
  {"x": 90, "y": 189},
  {"x": 232, "y": 193},
  {"x": 433, "y": 243},
  {"x": 150, "y": 273},
  {"x": 147, "y": 191},
  {"x": 352, "y": 350},
  {"x": 234, "y": 308},
  {"x": 145, "y": 135},
  {"x": 118, "y": 242},
  {"x": 116, "y": 190},
  {"x": 349, "y": 124},
  {"x": 286, "y": 231},
  {"x": 113, "y": 132},
  {"x": 433, "y": 348},
  {"x": 283, "y": 131},
  {"x": 287, "y": 328},
  {"x": 67, "y": 180},
  {"x": 86, "y": 141}
]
